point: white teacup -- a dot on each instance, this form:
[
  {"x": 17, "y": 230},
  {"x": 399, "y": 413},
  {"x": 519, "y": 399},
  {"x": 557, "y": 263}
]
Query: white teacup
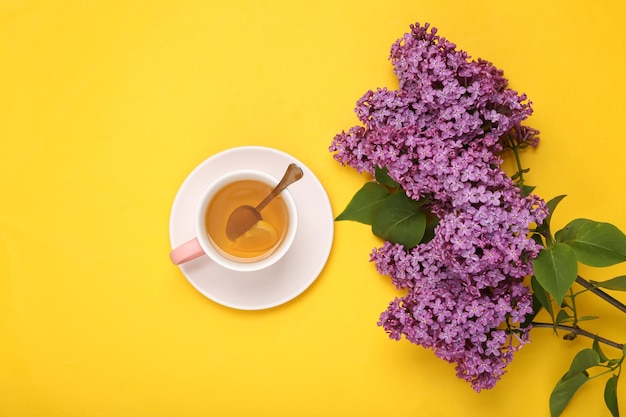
[{"x": 224, "y": 255}]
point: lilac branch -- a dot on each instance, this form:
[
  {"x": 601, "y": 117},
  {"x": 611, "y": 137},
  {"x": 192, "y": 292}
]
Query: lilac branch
[
  {"x": 597, "y": 291},
  {"x": 578, "y": 331}
]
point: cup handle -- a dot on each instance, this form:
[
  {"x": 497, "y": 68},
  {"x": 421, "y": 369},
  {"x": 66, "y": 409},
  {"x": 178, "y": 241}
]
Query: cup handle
[{"x": 186, "y": 252}]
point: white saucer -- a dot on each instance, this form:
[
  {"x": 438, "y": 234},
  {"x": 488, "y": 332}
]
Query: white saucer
[{"x": 284, "y": 280}]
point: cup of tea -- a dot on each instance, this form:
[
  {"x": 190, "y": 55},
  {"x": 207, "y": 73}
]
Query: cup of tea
[{"x": 260, "y": 246}]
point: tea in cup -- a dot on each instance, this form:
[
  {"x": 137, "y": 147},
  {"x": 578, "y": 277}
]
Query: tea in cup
[{"x": 261, "y": 245}]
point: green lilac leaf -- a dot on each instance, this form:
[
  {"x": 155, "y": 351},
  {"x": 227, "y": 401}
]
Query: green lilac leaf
[
  {"x": 587, "y": 318},
  {"x": 542, "y": 296},
  {"x": 583, "y": 360},
  {"x": 556, "y": 269},
  {"x": 598, "y": 244},
  {"x": 568, "y": 233},
  {"x": 610, "y": 395},
  {"x": 429, "y": 232},
  {"x": 365, "y": 204},
  {"x": 537, "y": 237},
  {"x": 528, "y": 320},
  {"x": 551, "y": 205},
  {"x": 598, "y": 349},
  {"x": 527, "y": 189},
  {"x": 400, "y": 220},
  {"x": 382, "y": 176},
  {"x": 563, "y": 317},
  {"x": 617, "y": 283},
  {"x": 564, "y": 391}
]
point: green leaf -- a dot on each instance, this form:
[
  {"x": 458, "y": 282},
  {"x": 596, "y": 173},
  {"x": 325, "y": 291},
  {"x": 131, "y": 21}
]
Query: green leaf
[
  {"x": 563, "y": 317},
  {"x": 382, "y": 176},
  {"x": 527, "y": 189},
  {"x": 610, "y": 395},
  {"x": 429, "y": 232},
  {"x": 596, "y": 243},
  {"x": 575, "y": 377},
  {"x": 598, "y": 349},
  {"x": 587, "y": 318},
  {"x": 617, "y": 283},
  {"x": 400, "y": 220},
  {"x": 568, "y": 233},
  {"x": 365, "y": 203},
  {"x": 528, "y": 320},
  {"x": 583, "y": 360},
  {"x": 556, "y": 269},
  {"x": 542, "y": 296},
  {"x": 551, "y": 205},
  {"x": 564, "y": 391},
  {"x": 537, "y": 237},
  {"x": 544, "y": 228}
]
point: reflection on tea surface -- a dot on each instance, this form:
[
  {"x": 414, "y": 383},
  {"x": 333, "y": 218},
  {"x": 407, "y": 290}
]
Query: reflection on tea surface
[{"x": 263, "y": 238}]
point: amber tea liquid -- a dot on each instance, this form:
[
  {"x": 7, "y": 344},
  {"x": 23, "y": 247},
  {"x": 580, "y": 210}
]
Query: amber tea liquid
[{"x": 233, "y": 195}]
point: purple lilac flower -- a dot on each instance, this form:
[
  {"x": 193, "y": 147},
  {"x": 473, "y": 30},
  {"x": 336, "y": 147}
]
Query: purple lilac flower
[{"x": 439, "y": 136}]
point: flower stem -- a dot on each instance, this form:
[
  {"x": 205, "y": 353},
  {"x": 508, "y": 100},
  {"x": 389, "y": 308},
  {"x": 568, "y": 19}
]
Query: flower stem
[
  {"x": 518, "y": 162},
  {"x": 597, "y": 291},
  {"x": 578, "y": 331}
]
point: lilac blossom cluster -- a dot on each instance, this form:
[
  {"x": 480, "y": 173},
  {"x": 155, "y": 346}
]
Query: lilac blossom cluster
[{"x": 440, "y": 136}]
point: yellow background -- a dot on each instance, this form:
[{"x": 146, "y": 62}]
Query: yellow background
[{"x": 105, "y": 108}]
